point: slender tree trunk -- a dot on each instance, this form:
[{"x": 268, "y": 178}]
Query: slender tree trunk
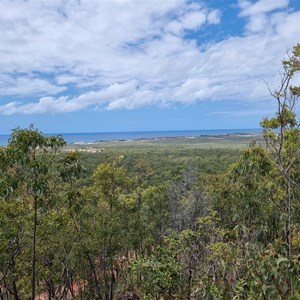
[
  {"x": 95, "y": 277},
  {"x": 112, "y": 280},
  {"x": 33, "y": 263},
  {"x": 15, "y": 290},
  {"x": 289, "y": 232},
  {"x": 190, "y": 272},
  {"x": 110, "y": 252},
  {"x": 112, "y": 277},
  {"x": 51, "y": 289},
  {"x": 71, "y": 285},
  {"x": 105, "y": 274}
]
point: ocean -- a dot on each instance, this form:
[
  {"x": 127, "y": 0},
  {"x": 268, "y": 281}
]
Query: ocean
[{"x": 90, "y": 137}]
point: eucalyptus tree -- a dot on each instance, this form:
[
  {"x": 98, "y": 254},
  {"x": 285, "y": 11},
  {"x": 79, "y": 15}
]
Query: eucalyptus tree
[
  {"x": 34, "y": 171},
  {"x": 282, "y": 134},
  {"x": 103, "y": 225}
]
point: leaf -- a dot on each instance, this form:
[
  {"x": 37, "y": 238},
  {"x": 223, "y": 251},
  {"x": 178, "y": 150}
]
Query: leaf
[{"x": 280, "y": 260}]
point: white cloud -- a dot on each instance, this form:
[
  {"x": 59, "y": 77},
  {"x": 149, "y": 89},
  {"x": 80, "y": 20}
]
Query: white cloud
[
  {"x": 190, "y": 21},
  {"x": 214, "y": 17},
  {"x": 27, "y": 86},
  {"x": 130, "y": 54},
  {"x": 259, "y": 13},
  {"x": 114, "y": 93},
  {"x": 258, "y": 23},
  {"x": 261, "y": 6},
  {"x": 287, "y": 25}
]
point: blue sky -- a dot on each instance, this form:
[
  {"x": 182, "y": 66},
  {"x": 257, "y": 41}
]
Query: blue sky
[{"x": 134, "y": 65}]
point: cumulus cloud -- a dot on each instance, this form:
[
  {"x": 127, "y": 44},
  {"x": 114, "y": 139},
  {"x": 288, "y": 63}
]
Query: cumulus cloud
[
  {"x": 189, "y": 21},
  {"x": 130, "y": 54},
  {"x": 214, "y": 17},
  {"x": 27, "y": 85},
  {"x": 259, "y": 13},
  {"x": 250, "y": 8}
]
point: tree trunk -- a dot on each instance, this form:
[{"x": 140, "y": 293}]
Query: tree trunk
[
  {"x": 112, "y": 277},
  {"x": 112, "y": 281},
  {"x": 106, "y": 295},
  {"x": 51, "y": 289},
  {"x": 15, "y": 291},
  {"x": 289, "y": 225},
  {"x": 33, "y": 263},
  {"x": 289, "y": 231},
  {"x": 190, "y": 272},
  {"x": 97, "y": 285}
]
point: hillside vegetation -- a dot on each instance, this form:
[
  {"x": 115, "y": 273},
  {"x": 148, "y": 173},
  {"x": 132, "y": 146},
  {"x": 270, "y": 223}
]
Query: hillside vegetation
[{"x": 154, "y": 221}]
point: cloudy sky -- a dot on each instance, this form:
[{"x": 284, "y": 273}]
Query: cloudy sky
[{"x": 133, "y": 65}]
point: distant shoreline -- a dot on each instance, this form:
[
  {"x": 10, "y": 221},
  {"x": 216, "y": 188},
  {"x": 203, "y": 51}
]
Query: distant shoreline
[
  {"x": 232, "y": 141},
  {"x": 100, "y": 137},
  {"x": 179, "y": 137}
]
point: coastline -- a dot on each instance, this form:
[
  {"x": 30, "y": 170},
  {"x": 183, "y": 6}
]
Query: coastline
[
  {"x": 233, "y": 141},
  {"x": 179, "y": 137},
  {"x": 149, "y": 136}
]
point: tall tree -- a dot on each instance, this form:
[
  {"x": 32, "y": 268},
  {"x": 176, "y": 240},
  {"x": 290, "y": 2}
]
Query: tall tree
[
  {"x": 35, "y": 169},
  {"x": 282, "y": 134}
]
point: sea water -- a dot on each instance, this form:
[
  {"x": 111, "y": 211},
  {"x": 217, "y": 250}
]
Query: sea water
[{"x": 91, "y": 137}]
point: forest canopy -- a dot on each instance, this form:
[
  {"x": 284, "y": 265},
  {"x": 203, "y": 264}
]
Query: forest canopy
[{"x": 143, "y": 228}]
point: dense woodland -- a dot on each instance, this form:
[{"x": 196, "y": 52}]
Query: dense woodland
[{"x": 198, "y": 224}]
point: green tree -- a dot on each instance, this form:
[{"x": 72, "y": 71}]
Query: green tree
[
  {"x": 282, "y": 134},
  {"x": 104, "y": 225},
  {"x": 35, "y": 172}
]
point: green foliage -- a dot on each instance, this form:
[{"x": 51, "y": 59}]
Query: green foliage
[
  {"x": 161, "y": 271},
  {"x": 32, "y": 186},
  {"x": 168, "y": 222}
]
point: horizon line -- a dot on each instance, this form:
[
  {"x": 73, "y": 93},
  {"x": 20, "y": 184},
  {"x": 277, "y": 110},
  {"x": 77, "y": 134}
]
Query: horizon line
[{"x": 140, "y": 131}]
